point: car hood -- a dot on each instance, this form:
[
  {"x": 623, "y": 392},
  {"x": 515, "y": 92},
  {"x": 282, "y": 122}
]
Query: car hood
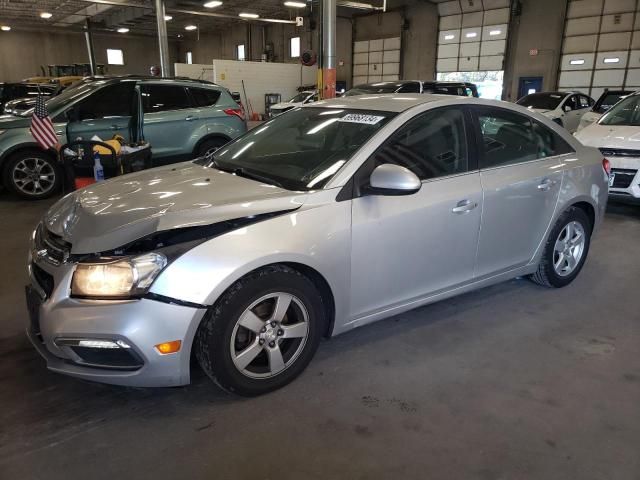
[
  {"x": 543, "y": 111},
  {"x": 284, "y": 105},
  {"x": 11, "y": 121},
  {"x": 110, "y": 214},
  {"x": 612, "y": 136}
]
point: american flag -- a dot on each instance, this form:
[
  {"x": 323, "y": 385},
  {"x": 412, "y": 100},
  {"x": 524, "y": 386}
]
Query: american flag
[{"x": 41, "y": 126}]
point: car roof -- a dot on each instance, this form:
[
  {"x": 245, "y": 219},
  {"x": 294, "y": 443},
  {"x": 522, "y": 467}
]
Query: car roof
[{"x": 387, "y": 102}]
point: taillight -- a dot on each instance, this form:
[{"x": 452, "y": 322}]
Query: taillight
[
  {"x": 606, "y": 164},
  {"x": 238, "y": 112}
]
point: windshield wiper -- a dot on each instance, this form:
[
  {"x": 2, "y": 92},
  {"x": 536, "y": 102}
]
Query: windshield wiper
[{"x": 242, "y": 172}]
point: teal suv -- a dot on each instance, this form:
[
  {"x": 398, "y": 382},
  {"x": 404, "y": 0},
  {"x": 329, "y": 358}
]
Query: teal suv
[{"x": 180, "y": 118}]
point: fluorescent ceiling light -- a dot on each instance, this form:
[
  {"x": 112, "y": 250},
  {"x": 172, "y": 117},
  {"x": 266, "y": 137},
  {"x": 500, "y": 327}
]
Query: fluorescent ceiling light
[
  {"x": 5, "y": 28},
  {"x": 471, "y": 35},
  {"x": 249, "y": 15},
  {"x": 123, "y": 30},
  {"x": 611, "y": 60},
  {"x": 577, "y": 62},
  {"x": 275, "y": 20},
  {"x": 213, "y": 4},
  {"x": 46, "y": 15},
  {"x": 449, "y": 37},
  {"x": 167, "y": 18},
  {"x": 190, "y": 27},
  {"x": 495, "y": 32},
  {"x": 295, "y": 4}
]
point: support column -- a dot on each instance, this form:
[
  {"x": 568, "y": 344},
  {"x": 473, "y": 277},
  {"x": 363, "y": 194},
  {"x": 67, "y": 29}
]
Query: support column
[
  {"x": 92, "y": 55},
  {"x": 328, "y": 48},
  {"x": 163, "y": 42}
]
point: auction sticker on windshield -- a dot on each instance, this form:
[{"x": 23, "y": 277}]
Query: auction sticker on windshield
[{"x": 360, "y": 118}]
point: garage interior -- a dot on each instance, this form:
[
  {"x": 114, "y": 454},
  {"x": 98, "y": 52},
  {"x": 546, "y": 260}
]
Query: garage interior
[{"x": 512, "y": 381}]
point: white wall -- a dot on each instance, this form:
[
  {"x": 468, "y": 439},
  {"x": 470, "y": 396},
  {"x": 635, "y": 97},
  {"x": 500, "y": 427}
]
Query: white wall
[
  {"x": 197, "y": 71},
  {"x": 260, "y": 78}
]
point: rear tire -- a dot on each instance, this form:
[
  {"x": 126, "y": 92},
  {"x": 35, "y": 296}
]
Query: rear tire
[
  {"x": 209, "y": 146},
  {"x": 262, "y": 332},
  {"x": 566, "y": 250},
  {"x": 32, "y": 174}
]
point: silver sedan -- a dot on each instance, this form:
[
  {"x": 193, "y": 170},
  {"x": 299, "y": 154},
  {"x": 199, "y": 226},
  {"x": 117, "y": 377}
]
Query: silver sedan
[{"x": 324, "y": 219}]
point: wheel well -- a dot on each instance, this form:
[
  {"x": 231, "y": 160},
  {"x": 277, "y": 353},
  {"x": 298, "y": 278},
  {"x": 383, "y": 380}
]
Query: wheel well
[
  {"x": 210, "y": 137},
  {"x": 588, "y": 209},
  {"x": 325, "y": 292}
]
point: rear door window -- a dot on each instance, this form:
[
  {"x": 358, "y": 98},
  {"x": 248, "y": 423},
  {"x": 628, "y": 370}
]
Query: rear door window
[
  {"x": 204, "y": 97},
  {"x": 161, "y": 98},
  {"x": 412, "y": 87},
  {"x": 510, "y": 138}
]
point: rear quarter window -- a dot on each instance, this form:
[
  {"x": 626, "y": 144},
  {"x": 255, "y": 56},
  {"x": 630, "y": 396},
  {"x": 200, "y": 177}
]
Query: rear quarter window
[{"x": 204, "y": 97}]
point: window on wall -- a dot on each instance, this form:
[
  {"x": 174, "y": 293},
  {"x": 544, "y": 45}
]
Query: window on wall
[
  {"x": 115, "y": 56},
  {"x": 294, "y": 47},
  {"x": 189, "y": 58},
  {"x": 240, "y": 52}
]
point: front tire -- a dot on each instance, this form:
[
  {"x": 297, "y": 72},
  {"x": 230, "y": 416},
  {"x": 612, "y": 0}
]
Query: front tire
[
  {"x": 566, "y": 250},
  {"x": 32, "y": 174},
  {"x": 262, "y": 332}
]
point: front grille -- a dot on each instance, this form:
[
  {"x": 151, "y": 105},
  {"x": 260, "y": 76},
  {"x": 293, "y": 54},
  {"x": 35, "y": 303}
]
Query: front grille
[
  {"x": 117, "y": 358},
  {"x": 44, "y": 279},
  {"x": 623, "y": 177},
  {"x": 620, "y": 152},
  {"x": 54, "y": 249}
]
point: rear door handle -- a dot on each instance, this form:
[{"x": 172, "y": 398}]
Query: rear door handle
[
  {"x": 545, "y": 185},
  {"x": 116, "y": 127},
  {"x": 191, "y": 118},
  {"x": 464, "y": 206}
]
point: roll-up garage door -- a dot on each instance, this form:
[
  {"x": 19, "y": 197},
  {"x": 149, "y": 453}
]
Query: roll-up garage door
[
  {"x": 376, "y": 60},
  {"x": 601, "y": 46},
  {"x": 472, "y": 35}
]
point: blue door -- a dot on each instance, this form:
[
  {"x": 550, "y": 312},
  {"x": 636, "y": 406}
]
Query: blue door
[{"x": 529, "y": 85}]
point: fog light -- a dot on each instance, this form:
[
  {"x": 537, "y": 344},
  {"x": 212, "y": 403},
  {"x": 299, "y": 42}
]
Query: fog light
[{"x": 169, "y": 347}]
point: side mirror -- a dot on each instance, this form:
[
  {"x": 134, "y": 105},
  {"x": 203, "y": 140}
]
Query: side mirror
[
  {"x": 566, "y": 108},
  {"x": 390, "y": 179}
]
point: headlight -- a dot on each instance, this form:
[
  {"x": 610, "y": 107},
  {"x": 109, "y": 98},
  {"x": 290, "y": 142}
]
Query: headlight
[{"x": 117, "y": 278}]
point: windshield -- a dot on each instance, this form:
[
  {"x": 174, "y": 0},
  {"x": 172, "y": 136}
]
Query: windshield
[
  {"x": 542, "y": 101},
  {"x": 68, "y": 94},
  {"x": 625, "y": 112},
  {"x": 372, "y": 88},
  {"x": 299, "y": 98},
  {"x": 303, "y": 149},
  {"x": 608, "y": 100}
]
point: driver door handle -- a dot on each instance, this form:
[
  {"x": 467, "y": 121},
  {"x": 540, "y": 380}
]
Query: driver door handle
[
  {"x": 191, "y": 118},
  {"x": 116, "y": 127},
  {"x": 545, "y": 185},
  {"x": 464, "y": 206}
]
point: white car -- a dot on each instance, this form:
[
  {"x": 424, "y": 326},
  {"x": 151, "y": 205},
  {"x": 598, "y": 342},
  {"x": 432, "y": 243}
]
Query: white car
[
  {"x": 564, "y": 108},
  {"x": 617, "y": 135},
  {"x": 302, "y": 98},
  {"x": 607, "y": 100}
]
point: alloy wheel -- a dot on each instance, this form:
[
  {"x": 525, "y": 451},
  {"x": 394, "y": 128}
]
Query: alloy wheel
[
  {"x": 33, "y": 176},
  {"x": 569, "y": 248},
  {"x": 269, "y": 335}
]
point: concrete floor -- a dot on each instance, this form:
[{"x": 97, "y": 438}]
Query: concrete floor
[{"x": 511, "y": 382}]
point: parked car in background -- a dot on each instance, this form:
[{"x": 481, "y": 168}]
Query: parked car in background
[
  {"x": 301, "y": 98},
  {"x": 183, "y": 119},
  {"x": 401, "y": 86},
  {"x": 463, "y": 89},
  {"x": 327, "y": 218},
  {"x": 12, "y": 91},
  {"x": 564, "y": 108},
  {"x": 607, "y": 100},
  {"x": 616, "y": 134}
]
